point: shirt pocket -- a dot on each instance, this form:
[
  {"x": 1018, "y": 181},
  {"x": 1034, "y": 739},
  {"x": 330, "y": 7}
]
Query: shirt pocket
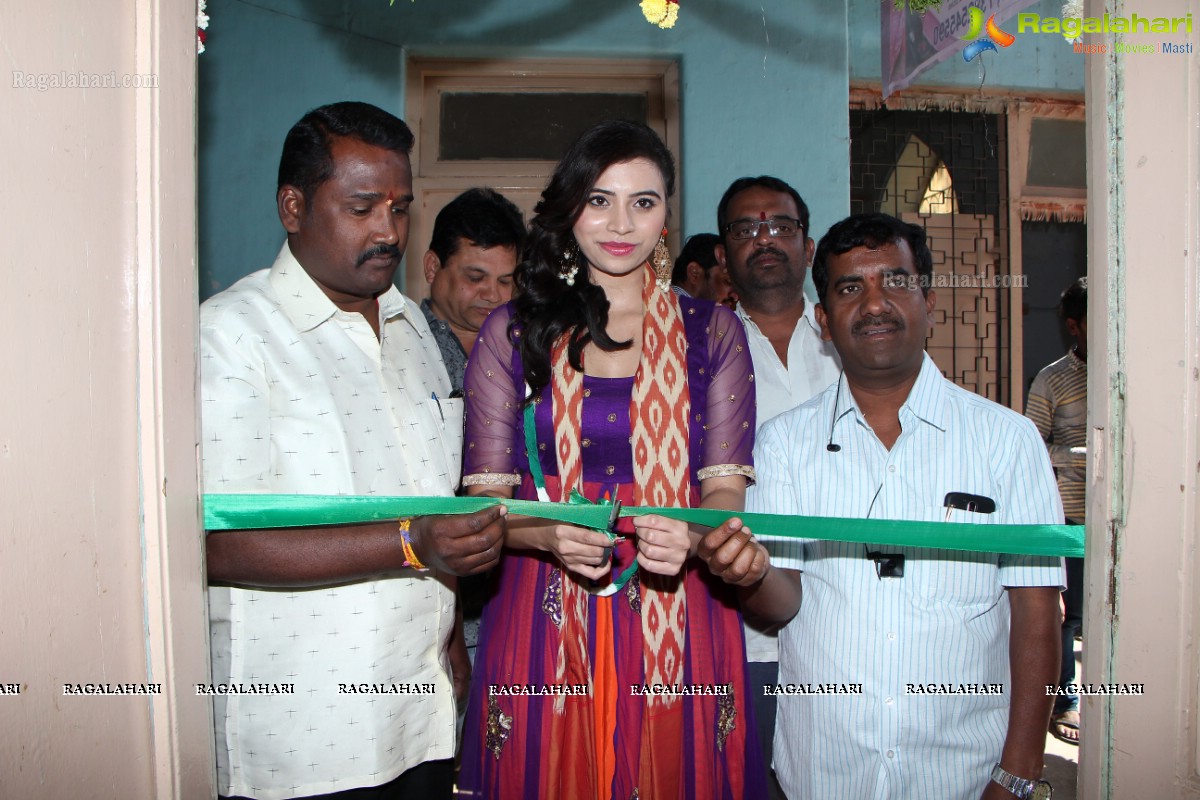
[
  {"x": 956, "y": 577},
  {"x": 447, "y": 414}
]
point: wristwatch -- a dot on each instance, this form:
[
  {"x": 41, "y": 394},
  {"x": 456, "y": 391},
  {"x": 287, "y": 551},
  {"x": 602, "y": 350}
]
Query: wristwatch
[{"x": 1022, "y": 788}]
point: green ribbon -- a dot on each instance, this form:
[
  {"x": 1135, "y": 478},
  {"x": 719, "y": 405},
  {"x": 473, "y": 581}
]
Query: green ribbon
[
  {"x": 253, "y": 511},
  {"x": 575, "y": 498}
]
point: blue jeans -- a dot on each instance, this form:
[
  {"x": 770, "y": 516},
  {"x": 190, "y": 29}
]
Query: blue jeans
[{"x": 1072, "y": 624}]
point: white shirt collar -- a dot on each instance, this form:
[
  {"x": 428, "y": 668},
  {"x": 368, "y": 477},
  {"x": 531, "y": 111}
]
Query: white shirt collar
[
  {"x": 808, "y": 316},
  {"x": 925, "y": 399},
  {"x": 307, "y": 305}
]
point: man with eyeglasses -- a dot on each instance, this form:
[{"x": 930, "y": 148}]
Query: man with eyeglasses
[{"x": 763, "y": 223}]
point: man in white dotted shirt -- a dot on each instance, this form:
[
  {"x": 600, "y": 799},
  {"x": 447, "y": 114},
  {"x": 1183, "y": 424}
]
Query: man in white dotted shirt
[
  {"x": 938, "y": 660},
  {"x": 330, "y": 673}
]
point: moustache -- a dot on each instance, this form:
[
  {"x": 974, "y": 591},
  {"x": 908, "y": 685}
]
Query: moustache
[
  {"x": 390, "y": 250},
  {"x": 763, "y": 252},
  {"x": 875, "y": 322}
]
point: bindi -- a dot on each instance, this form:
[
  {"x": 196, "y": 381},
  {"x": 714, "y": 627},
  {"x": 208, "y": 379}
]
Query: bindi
[{"x": 762, "y": 216}]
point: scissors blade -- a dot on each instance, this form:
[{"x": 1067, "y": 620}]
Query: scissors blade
[{"x": 614, "y": 516}]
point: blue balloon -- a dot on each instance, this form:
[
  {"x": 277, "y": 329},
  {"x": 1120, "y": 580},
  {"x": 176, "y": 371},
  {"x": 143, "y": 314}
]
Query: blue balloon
[{"x": 976, "y": 47}]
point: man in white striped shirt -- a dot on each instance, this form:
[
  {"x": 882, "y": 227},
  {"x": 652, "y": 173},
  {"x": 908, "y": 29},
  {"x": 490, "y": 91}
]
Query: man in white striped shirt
[{"x": 938, "y": 659}]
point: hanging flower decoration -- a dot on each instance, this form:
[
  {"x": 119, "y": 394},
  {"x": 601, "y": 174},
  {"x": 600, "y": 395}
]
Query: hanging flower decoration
[
  {"x": 662, "y": 13},
  {"x": 201, "y": 26}
]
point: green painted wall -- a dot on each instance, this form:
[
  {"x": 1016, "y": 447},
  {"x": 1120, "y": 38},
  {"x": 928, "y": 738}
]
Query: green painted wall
[
  {"x": 761, "y": 92},
  {"x": 764, "y": 89}
]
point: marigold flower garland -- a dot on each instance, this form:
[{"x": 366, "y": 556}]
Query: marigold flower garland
[{"x": 662, "y": 13}]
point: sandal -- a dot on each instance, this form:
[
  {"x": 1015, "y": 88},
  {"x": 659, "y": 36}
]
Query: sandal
[{"x": 1065, "y": 727}]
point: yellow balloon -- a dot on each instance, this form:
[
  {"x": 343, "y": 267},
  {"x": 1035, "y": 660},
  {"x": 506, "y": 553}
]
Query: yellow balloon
[{"x": 976, "y": 23}]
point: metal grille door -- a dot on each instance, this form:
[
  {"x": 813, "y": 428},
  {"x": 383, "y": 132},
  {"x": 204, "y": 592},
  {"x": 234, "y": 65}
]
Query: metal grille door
[{"x": 948, "y": 172}]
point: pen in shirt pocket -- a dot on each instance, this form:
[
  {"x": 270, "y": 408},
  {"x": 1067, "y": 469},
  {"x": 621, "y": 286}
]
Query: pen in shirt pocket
[
  {"x": 963, "y": 501},
  {"x": 433, "y": 396}
]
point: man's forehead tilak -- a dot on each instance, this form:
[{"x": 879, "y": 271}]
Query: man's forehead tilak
[{"x": 906, "y": 269}]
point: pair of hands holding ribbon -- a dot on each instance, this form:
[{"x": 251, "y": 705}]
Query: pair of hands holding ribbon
[{"x": 663, "y": 545}]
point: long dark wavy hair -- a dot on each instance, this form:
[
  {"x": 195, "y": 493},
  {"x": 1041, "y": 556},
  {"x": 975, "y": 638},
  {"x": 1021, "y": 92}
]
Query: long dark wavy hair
[{"x": 546, "y": 307}]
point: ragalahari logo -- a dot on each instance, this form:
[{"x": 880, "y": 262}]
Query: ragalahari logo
[{"x": 995, "y": 36}]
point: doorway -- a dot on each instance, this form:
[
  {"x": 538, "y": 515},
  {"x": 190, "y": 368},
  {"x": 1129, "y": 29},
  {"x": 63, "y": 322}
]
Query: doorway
[{"x": 457, "y": 107}]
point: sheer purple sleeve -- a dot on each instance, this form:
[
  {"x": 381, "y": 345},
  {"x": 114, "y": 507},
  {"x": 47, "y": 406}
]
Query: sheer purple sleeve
[
  {"x": 729, "y": 417},
  {"x": 492, "y": 453}
]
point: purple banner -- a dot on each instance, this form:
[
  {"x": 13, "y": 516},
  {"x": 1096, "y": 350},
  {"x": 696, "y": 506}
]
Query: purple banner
[{"x": 912, "y": 43}]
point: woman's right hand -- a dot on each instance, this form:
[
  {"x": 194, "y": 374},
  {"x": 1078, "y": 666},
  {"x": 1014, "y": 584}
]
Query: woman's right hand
[{"x": 582, "y": 551}]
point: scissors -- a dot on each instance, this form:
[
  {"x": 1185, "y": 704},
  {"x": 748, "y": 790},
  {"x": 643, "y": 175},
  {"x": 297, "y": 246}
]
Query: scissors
[
  {"x": 594, "y": 586},
  {"x": 614, "y": 538}
]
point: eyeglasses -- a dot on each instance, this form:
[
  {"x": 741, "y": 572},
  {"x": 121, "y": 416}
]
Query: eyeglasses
[{"x": 779, "y": 227}]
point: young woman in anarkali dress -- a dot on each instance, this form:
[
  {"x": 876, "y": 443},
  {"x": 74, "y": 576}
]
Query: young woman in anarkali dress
[{"x": 636, "y": 394}]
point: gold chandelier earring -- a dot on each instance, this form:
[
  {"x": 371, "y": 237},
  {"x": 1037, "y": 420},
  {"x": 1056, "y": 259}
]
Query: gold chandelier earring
[
  {"x": 568, "y": 264},
  {"x": 662, "y": 262}
]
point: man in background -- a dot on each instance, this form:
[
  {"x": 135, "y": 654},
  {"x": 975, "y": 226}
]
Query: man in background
[
  {"x": 1057, "y": 404},
  {"x": 766, "y": 248},
  {"x": 476, "y": 243},
  {"x": 698, "y": 274}
]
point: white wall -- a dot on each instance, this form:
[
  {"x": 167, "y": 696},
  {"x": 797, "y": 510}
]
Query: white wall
[
  {"x": 97, "y": 420},
  {"x": 1142, "y": 595}
]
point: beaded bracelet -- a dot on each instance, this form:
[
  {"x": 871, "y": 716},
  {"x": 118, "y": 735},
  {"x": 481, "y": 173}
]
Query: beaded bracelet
[{"x": 410, "y": 555}]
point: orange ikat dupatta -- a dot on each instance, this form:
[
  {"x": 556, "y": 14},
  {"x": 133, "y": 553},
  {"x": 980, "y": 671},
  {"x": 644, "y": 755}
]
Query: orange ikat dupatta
[{"x": 659, "y": 412}]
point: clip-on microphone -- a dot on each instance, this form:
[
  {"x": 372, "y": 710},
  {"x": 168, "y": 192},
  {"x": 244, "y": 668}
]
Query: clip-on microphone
[{"x": 831, "y": 447}]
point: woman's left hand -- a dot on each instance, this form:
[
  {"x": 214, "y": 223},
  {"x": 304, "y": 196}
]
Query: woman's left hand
[{"x": 662, "y": 544}]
